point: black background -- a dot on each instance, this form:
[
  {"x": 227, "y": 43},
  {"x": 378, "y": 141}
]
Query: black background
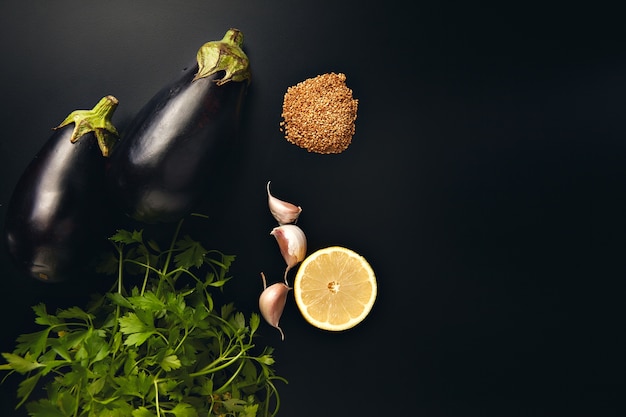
[{"x": 485, "y": 185}]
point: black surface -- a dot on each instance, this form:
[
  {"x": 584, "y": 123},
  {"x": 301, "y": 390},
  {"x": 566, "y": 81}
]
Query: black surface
[{"x": 485, "y": 184}]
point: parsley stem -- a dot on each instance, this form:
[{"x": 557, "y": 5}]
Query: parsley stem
[
  {"x": 146, "y": 275},
  {"x": 182, "y": 339},
  {"x": 77, "y": 401},
  {"x": 120, "y": 274},
  {"x": 162, "y": 337},
  {"x": 181, "y": 270},
  {"x": 143, "y": 265},
  {"x": 172, "y": 244},
  {"x": 156, "y": 396},
  {"x": 269, "y": 394},
  {"x": 212, "y": 368},
  {"x": 231, "y": 379},
  {"x": 120, "y": 270}
]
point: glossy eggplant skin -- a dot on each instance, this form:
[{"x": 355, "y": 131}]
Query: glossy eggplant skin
[
  {"x": 57, "y": 213},
  {"x": 167, "y": 159}
]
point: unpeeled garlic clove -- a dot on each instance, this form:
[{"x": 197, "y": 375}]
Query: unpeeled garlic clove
[
  {"x": 292, "y": 244},
  {"x": 283, "y": 211},
  {"x": 272, "y": 303}
]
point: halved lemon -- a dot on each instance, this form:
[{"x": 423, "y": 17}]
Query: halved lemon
[{"x": 335, "y": 288}]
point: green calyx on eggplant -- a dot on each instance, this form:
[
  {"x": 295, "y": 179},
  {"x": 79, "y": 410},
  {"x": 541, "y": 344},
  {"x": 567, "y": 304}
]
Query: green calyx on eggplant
[
  {"x": 173, "y": 149},
  {"x": 226, "y": 56},
  {"x": 58, "y": 208},
  {"x": 96, "y": 120}
]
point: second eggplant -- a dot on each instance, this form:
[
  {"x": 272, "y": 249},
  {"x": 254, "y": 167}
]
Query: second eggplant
[{"x": 165, "y": 161}]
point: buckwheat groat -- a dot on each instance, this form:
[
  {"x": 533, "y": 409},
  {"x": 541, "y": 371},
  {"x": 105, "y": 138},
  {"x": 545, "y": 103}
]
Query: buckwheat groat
[{"x": 319, "y": 114}]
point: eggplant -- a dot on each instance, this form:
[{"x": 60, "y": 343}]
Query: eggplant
[
  {"x": 169, "y": 155},
  {"x": 57, "y": 210}
]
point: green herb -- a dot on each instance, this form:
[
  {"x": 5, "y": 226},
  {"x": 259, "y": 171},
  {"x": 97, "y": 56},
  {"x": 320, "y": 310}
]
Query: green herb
[{"x": 161, "y": 347}]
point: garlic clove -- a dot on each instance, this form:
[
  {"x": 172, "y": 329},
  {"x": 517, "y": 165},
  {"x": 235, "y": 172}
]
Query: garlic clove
[
  {"x": 272, "y": 303},
  {"x": 283, "y": 211},
  {"x": 292, "y": 244}
]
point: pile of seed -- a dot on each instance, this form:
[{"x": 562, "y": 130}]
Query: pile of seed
[{"x": 319, "y": 114}]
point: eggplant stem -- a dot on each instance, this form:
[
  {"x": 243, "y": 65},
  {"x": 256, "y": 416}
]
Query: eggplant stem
[
  {"x": 225, "y": 55},
  {"x": 96, "y": 120}
]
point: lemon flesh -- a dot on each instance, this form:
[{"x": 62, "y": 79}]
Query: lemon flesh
[{"x": 335, "y": 288}]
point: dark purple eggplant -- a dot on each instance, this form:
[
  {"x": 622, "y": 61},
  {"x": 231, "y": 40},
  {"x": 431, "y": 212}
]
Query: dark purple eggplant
[
  {"x": 57, "y": 209},
  {"x": 168, "y": 157}
]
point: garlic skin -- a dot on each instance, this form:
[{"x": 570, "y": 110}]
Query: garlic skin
[
  {"x": 283, "y": 211},
  {"x": 292, "y": 244},
  {"x": 272, "y": 303}
]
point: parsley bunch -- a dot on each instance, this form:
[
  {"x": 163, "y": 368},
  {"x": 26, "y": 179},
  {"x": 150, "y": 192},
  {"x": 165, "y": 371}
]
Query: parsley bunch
[{"x": 160, "y": 347}]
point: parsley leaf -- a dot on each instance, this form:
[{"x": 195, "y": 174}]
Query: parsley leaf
[{"x": 191, "y": 253}]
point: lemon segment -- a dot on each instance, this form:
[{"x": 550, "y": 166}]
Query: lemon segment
[{"x": 335, "y": 288}]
